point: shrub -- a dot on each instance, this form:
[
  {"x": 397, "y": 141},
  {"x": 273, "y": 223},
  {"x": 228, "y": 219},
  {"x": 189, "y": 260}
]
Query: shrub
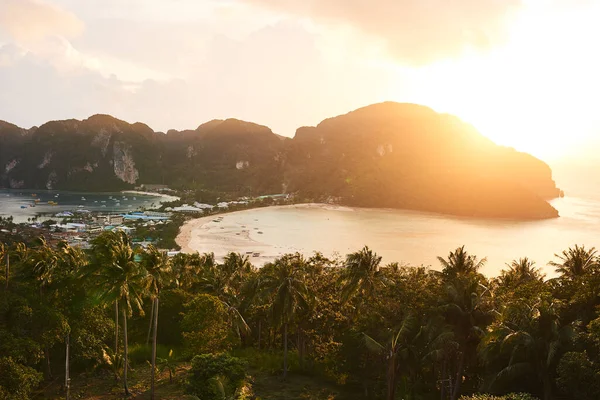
[
  {"x": 578, "y": 377},
  {"x": 217, "y": 376},
  {"x": 140, "y": 353},
  {"x": 205, "y": 326},
  {"x": 270, "y": 362},
  {"x": 17, "y": 381}
]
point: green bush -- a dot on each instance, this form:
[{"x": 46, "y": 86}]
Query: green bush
[
  {"x": 205, "y": 326},
  {"x": 140, "y": 353},
  {"x": 511, "y": 396},
  {"x": 217, "y": 376},
  {"x": 270, "y": 362},
  {"x": 578, "y": 377},
  {"x": 17, "y": 381}
]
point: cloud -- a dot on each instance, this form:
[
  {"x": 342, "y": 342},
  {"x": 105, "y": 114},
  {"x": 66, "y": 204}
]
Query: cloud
[
  {"x": 268, "y": 77},
  {"x": 414, "y": 31},
  {"x": 29, "y": 21}
]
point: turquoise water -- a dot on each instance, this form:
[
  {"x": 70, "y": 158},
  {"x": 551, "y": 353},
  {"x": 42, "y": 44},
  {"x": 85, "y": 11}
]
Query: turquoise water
[{"x": 12, "y": 202}]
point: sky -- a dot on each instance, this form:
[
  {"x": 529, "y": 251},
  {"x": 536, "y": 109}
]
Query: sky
[{"x": 526, "y": 73}]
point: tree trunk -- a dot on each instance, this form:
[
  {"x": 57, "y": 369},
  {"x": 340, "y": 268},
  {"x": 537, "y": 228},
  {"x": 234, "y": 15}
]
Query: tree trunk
[
  {"x": 259, "y": 332},
  {"x": 391, "y": 378},
  {"x": 7, "y": 269},
  {"x": 285, "y": 350},
  {"x": 125, "y": 349},
  {"x": 547, "y": 387},
  {"x": 154, "y": 348},
  {"x": 459, "y": 376},
  {"x": 150, "y": 325},
  {"x": 47, "y": 362},
  {"x": 116, "y": 329},
  {"x": 443, "y": 381},
  {"x": 67, "y": 377}
]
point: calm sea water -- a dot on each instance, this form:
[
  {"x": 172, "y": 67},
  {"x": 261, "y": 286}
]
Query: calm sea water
[
  {"x": 418, "y": 238},
  {"x": 12, "y": 201}
]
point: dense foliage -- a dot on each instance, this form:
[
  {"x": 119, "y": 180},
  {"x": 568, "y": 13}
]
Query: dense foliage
[{"x": 381, "y": 331}]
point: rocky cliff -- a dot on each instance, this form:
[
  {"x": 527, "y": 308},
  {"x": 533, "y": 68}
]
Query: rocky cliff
[{"x": 384, "y": 155}]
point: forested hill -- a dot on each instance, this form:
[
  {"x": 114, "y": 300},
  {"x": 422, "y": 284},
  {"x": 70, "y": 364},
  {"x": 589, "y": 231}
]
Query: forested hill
[{"x": 384, "y": 155}]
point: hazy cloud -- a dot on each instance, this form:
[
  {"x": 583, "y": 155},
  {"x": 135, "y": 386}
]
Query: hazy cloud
[
  {"x": 414, "y": 31},
  {"x": 268, "y": 77},
  {"x": 29, "y": 21}
]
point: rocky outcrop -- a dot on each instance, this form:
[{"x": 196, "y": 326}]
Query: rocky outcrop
[{"x": 123, "y": 163}]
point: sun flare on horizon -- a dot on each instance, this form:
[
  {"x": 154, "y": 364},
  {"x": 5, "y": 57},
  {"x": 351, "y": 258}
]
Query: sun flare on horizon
[{"x": 537, "y": 93}]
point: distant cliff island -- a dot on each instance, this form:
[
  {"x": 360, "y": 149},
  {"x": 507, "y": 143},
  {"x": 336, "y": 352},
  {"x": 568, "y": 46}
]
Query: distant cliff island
[{"x": 385, "y": 155}]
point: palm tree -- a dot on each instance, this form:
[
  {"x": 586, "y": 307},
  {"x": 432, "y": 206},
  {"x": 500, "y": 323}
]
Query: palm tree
[
  {"x": 5, "y": 258},
  {"x": 460, "y": 263},
  {"x": 467, "y": 306},
  {"x": 395, "y": 351},
  {"x": 575, "y": 262},
  {"x": 520, "y": 272},
  {"x": 284, "y": 282},
  {"x": 157, "y": 265},
  {"x": 186, "y": 269},
  {"x": 529, "y": 338},
  {"x": 361, "y": 275},
  {"x": 120, "y": 279}
]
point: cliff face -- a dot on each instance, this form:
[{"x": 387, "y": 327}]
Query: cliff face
[{"x": 385, "y": 155}]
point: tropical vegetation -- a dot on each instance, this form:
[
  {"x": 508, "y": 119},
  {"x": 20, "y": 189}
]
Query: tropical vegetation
[{"x": 354, "y": 327}]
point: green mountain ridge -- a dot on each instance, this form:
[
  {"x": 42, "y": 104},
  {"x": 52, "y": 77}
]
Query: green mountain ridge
[{"x": 384, "y": 155}]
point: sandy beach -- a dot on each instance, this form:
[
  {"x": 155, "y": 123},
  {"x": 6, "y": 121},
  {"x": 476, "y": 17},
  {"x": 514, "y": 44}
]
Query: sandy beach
[
  {"x": 164, "y": 197},
  {"x": 224, "y": 233}
]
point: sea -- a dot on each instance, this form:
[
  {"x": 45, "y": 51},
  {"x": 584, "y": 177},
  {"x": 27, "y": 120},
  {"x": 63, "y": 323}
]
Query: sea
[
  {"x": 407, "y": 237},
  {"x": 413, "y": 238},
  {"x": 22, "y": 205}
]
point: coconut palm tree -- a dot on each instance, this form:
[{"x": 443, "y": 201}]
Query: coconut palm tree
[
  {"x": 285, "y": 284},
  {"x": 520, "y": 272},
  {"x": 186, "y": 269},
  {"x": 467, "y": 306},
  {"x": 575, "y": 262},
  {"x": 396, "y": 350},
  {"x": 460, "y": 263},
  {"x": 529, "y": 338},
  {"x": 158, "y": 267},
  {"x": 119, "y": 279},
  {"x": 361, "y": 275},
  {"x": 5, "y": 259}
]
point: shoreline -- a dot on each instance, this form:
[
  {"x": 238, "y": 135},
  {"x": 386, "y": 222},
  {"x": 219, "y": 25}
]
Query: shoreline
[
  {"x": 165, "y": 197},
  {"x": 204, "y": 235}
]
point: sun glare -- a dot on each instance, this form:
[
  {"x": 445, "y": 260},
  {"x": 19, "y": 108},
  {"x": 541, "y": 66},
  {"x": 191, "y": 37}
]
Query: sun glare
[{"x": 537, "y": 93}]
